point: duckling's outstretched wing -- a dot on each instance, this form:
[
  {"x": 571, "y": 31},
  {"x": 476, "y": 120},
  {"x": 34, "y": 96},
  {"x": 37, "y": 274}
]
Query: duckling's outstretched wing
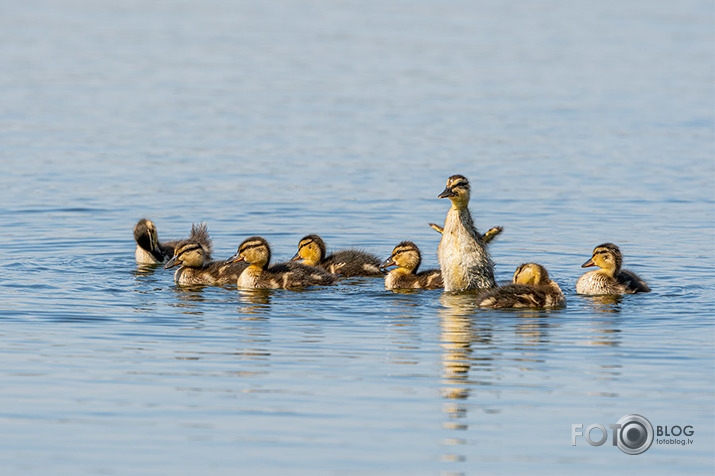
[
  {"x": 492, "y": 233},
  {"x": 349, "y": 263},
  {"x": 486, "y": 237},
  {"x": 437, "y": 228}
]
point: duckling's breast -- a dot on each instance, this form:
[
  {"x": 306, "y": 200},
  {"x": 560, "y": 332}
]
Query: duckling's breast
[
  {"x": 186, "y": 276},
  {"x": 249, "y": 278},
  {"x": 596, "y": 282},
  {"x": 400, "y": 279},
  {"x": 464, "y": 261}
]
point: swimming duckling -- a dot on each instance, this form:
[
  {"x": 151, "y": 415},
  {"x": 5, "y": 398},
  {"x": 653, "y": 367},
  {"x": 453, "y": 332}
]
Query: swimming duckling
[
  {"x": 149, "y": 249},
  {"x": 463, "y": 257},
  {"x": 311, "y": 251},
  {"x": 531, "y": 287},
  {"x": 258, "y": 275},
  {"x": 407, "y": 257},
  {"x": 610, "y": 279},
  {"x": 197, "y": 268}
]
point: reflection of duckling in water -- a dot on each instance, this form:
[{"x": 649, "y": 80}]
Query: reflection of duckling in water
[
  {"x": 463, "y": 257},
  {"x": 150, "y": 250},
  {"x": 610, "y": 278},
  {"x": 407, "y": 257},
  {"x": 311, "y": 252},
  {"x": 531, "y": 288},
  {"x": 194, "y": 257},
  {"x": 258, "y": 275}
]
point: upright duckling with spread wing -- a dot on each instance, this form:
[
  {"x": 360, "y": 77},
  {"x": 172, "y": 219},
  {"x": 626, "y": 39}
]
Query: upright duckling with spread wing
[
  {"x": 311, "y": 252},
  {"x": 197, "y": 268},
  {"x": 149, "y": 249},
  {"x": 463, "y": 257},
  {"x": 610, "y": 278},
  {"x": 531, "y": 288},
  {"x": 407, "y": 257},
  {"x": 258, "y": 275}
]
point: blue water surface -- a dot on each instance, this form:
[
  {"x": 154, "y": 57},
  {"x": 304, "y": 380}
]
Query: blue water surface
[{"x": 576, "y": 122}]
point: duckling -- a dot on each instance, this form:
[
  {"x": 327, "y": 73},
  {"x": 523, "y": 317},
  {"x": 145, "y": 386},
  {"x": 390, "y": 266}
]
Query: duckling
[
  {"x": 311, "y": 251},
  {"x": 463, "y": 257},
  {"x": 258, "y": 275},
  {"x": 194, "y": 257},
  {"x": 151, "y": 251},
  {"x": 531, "y": 287},
  {"x": 610, "y": 279},
  {"x": 406, "y": 256}
]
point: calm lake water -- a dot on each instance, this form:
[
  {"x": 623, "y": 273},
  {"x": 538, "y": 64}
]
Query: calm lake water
[{"x": 577, "y": 123}]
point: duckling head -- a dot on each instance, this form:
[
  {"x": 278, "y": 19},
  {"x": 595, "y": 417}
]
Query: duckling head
[
  {"x": 311, "y": 249},
  {"x": 531, "y": 273},
  {"x": 608, "y": 257},
  {"x": 406, "y": 255},
  {"x": 457, "y": 190},
  {"x": 254, "y": 250},
  {"x": 192, "y": 255},
  {"x": 146, "y": 235}
]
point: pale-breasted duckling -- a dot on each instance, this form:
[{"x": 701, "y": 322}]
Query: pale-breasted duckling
[
  {"x": 194, "y": 257},
  {"x": 149, "y": 249},
  {"x": 463, "y": 257},
  {"x": 407, "y": 257},
  {"x": 531, "y": 287},
  {"x": 347, "y": 263},
  {"x": 610, "y": 278},
  {"x": 258, "y": 275}
]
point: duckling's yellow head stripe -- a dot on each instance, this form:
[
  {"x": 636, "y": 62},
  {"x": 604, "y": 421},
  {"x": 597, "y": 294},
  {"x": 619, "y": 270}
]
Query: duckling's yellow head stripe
[
  {"x": 187, "y": 248},
  {"x": 305, "y": 242},
  {"x": 457, "y": 181},
  {"x": 250, "y": 245}
]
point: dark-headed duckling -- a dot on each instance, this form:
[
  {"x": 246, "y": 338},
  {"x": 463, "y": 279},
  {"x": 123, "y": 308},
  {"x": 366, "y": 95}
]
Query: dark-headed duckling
[
  {"x": 311, "y": 251},
  {"x": 463, "y": 256},
  {"x": 406, "y": 256},
  {"x": 151, "y": 251},
  {"x": 258, "y": 275},
  {"x": 610, "y": 278},
  {"x": 531, "y": 288}
]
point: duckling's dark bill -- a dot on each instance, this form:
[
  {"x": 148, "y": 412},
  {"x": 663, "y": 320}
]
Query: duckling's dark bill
[
  {"x": 235, "y": 258},
  {"x": 588, "y": 263},
  {"x": 387, "y": 263},
  {"x": 172, "y": 262},
  {"x": 296, "y": 257},
  {"x": 446, "y": 193}
]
